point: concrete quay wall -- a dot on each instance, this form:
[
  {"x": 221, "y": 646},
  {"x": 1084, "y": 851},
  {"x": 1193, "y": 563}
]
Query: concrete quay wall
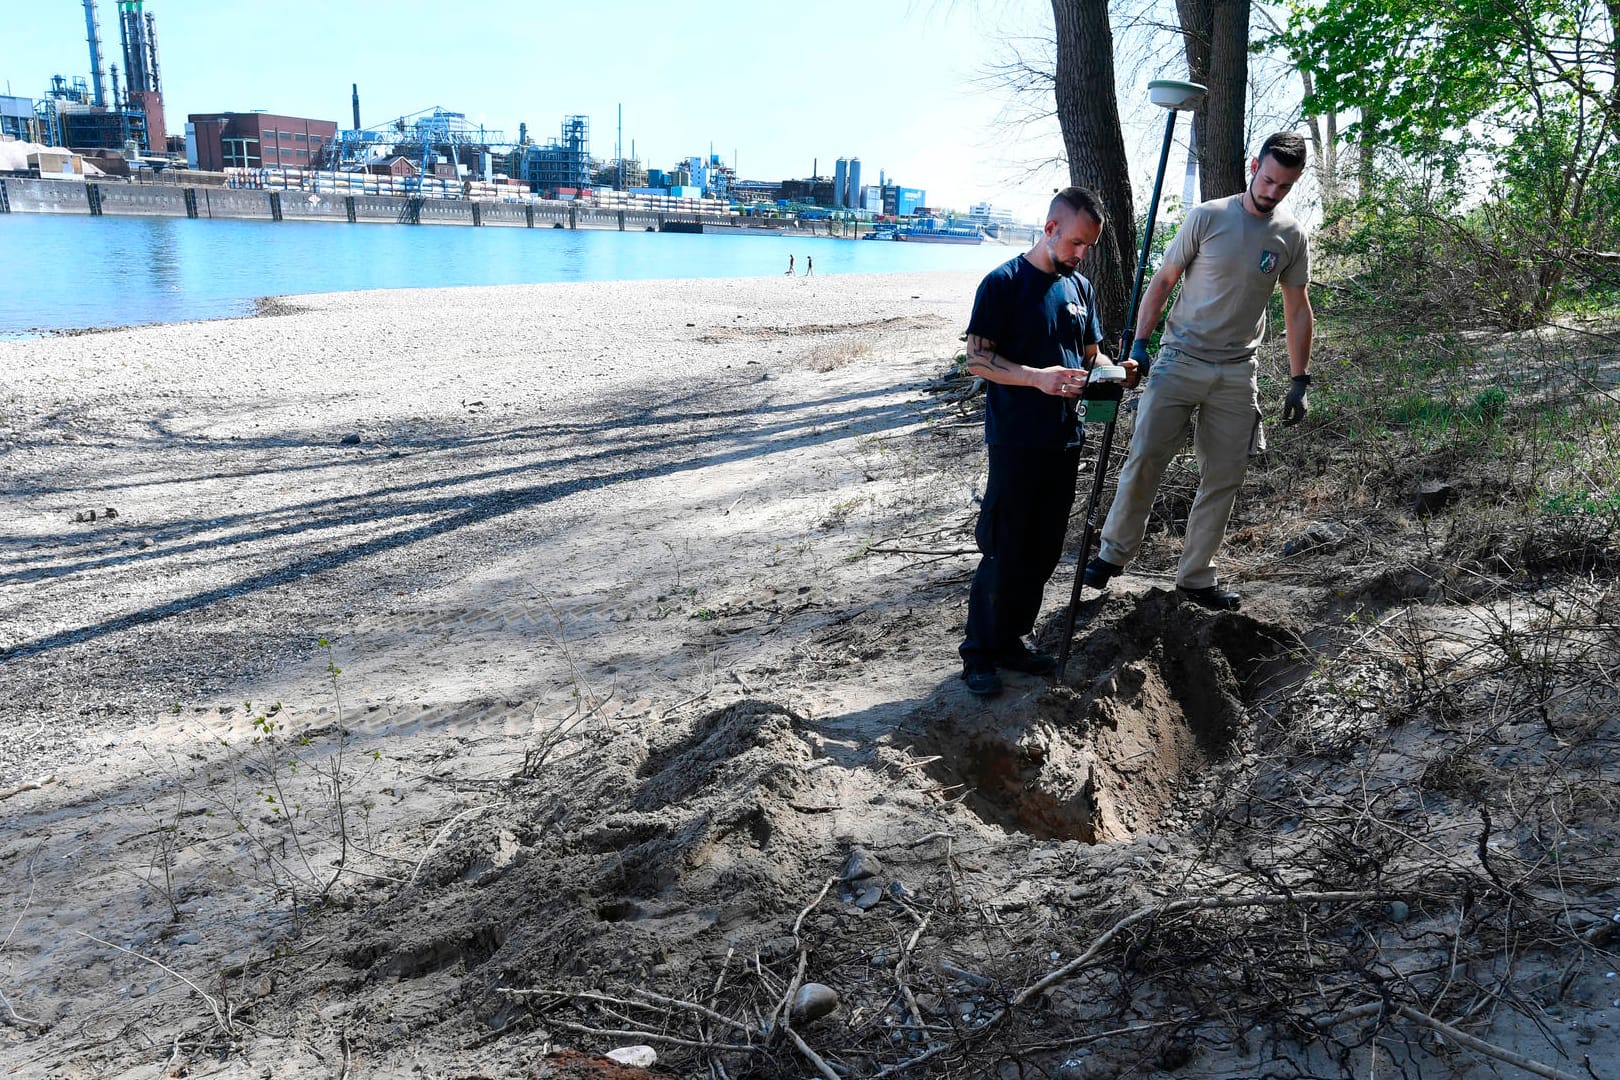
[{"x": 40, "y": 196}]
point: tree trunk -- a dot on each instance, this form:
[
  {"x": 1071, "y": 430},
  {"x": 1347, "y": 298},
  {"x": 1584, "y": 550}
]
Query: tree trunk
[
  {"x": 1324, "y": 145},
  {"x": 1614, "y": 59},
  {"x": 1367, "y": 152},
  {"x": 1331, "y": 161},
  {"x": 1197, "y": 17},
  {"x": 1224, "y": 129},
  {"x": 1088, "y": 113},
  {"x": 1215, "y": 38}
]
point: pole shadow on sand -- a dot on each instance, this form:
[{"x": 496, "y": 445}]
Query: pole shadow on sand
[{"x": 642, "y": 442}]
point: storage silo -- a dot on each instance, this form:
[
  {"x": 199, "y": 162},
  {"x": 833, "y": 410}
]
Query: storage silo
[
  {"x": 854, "y": 197},
  {"x": 841, "y": 182}
]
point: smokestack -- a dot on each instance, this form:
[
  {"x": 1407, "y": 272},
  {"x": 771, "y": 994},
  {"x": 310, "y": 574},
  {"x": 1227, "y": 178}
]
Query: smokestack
[
  {"x": 132, "y": 29},
  {"x": 92, "y": 29},
  {"x": 139, "y": 32},
  {"x": 156, "y": 80},
  {"x": 356, "y": 87}
]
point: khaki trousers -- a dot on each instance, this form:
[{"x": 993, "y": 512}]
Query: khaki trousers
[{"x": 1225, "y": 397}]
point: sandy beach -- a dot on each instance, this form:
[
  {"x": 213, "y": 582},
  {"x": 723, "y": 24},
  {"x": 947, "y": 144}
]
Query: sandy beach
[
  {"x": 492, "y": 503},
  {"x": 443, "y": 483},
  {"x": 467, "y": 682}
]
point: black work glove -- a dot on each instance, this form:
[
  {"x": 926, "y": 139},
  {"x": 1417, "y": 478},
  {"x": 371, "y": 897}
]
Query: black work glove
[
  {"x": 1139, "y": 353},
  {"x": 1297, "y": 403}
]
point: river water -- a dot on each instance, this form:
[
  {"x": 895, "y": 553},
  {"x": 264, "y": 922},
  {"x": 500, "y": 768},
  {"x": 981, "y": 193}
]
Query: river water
[{"x": 60, "y": 272}]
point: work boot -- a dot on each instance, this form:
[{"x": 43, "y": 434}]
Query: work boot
[
  {"x": 982, "y": 681},
  {"x": 1100, "y": 571},
  {"x": 1020, "y": 657},
  {"x": 1211, "y": 596}
]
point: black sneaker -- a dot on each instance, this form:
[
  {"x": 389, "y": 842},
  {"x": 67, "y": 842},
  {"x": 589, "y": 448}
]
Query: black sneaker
[
  {"x": 982, "y": 682},
  {"x": 1099, "y": 572},
  {"x": 1020, "y": 657},
  {"x": 1212, "y": 596}
]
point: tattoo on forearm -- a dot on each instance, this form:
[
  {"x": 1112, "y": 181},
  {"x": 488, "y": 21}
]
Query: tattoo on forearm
[{"x": 982, "y": 356}]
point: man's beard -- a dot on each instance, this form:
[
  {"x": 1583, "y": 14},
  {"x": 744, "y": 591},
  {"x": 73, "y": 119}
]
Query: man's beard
[
  {"x": 1259, "y": 204},
  {"x": 1059, "y": 267}
]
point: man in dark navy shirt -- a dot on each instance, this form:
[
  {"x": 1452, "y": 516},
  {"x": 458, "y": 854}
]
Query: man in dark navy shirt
[{"x": 1033, "y": 334}]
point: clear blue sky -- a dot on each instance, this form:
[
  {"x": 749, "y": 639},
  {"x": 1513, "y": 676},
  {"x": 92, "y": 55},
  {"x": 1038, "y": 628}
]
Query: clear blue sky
[{"x": 893, "y": 82}]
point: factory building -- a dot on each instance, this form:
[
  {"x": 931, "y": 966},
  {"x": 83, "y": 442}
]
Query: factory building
[
  {"x": 437, "y": 141},
  {"x": 988, "y": 216},
  {"x": 562, "y": 165},
  {"x": 718, "y": 179},
  {"x": 446, "y": 141},
  {"x": 74, "y": 115},
  {"x": 16, "y": 117},
  {"x": 903, "y": 201},
  {"x": 68, "y": 116},
  {"x": 625, "y": 174},
  {"x": 256, "y": 140},
  {"x": 817, "y": 190},
  {"x": 756, "y": 191},
  {"x": 397, "y": 167},
  {"x": 100, "y": 129}
]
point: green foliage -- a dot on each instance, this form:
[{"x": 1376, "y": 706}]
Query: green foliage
[
  {"x": 1489, "y": 133},
  {"x": 1400, "y": 256},
  {"x": 1594, "y": 503},
  {"x": 1416, "y": 71},
  {"x": 1525, "y": 427}
]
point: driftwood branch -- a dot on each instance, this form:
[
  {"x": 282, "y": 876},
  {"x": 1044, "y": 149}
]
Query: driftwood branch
[
  {"x": 1462, "y": 1038},
  {"x": 811, "y": 1056},
  {"x": 1176, "y": 907},
  {"x": 213, "y": 1004},
  {"x": 19, "y": 1020},
  {"x": 1456, "y": 1035},
  {"x": 440, "y": 835},
  {"x": 649, "y": 1036}
]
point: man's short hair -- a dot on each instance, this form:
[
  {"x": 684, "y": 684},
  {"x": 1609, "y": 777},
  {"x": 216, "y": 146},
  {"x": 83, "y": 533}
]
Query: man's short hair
[
  {"x": 1286, "y": 148},
  {"x": 1077, "y": 199}
]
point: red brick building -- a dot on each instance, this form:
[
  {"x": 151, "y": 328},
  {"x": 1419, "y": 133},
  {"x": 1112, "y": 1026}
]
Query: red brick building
[
  {"x": 394, "y": 166},
  {"x": 219, "y": 141}
]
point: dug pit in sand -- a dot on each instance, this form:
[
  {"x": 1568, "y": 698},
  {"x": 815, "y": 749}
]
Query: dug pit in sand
[{"x": 1156, "y": 693}]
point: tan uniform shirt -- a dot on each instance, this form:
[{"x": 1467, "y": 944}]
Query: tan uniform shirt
[{"x": 1232, "y": 260}]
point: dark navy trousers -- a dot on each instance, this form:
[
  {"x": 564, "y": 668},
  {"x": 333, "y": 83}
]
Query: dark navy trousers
[{"x": 1022, "y": 524}]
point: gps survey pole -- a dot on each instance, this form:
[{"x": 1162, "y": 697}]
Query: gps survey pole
[{"x": 1173, "y": 96}]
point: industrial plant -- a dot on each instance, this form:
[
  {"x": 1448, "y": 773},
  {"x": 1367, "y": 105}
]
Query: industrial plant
[
  {"x": 112, "y": 125},
  {"x": 113, "y": 114}
]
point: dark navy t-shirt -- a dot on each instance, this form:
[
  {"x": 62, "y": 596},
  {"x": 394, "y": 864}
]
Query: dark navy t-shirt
[{"x": 1038, "y": 320}]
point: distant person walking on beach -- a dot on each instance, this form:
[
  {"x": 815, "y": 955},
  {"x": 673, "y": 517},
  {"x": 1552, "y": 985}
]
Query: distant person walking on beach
[
  {"x": 790, "y": 266},
  {"x": 809, "y": 264}
]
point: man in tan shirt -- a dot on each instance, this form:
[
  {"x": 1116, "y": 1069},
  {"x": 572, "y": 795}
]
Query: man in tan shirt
[{"x": 1229, "y": 255}]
